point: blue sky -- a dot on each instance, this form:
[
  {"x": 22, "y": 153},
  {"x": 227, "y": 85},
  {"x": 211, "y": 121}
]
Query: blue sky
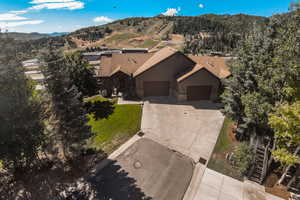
[{"x": 68, "y": 15}]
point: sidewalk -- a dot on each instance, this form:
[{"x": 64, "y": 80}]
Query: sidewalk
[{"x": 216, "y": 186}]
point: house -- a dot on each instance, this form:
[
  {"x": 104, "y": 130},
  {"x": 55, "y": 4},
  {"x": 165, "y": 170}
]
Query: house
[
  {"x": 135, "y": 50},
  {"x": 32, "y": 71},
  {"x": 167, "y": 72}
]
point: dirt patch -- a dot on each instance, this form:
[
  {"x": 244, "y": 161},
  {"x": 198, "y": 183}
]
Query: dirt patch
[
  {"x": 231, "y": 133},
  {"x": 273, "y": 188}
]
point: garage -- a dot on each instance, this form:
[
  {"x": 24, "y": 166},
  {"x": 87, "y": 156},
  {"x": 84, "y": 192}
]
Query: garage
[
  {"x": 199, "y": 92},
  {"x": 156, "y": 88}
]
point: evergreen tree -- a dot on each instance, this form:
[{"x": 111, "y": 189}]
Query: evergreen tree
[
  {"x": 21, "y": 125},
  {"x": 68, "y": 110},
  {"x": 81, "y": 74},
  {"x": 266, "y": 72}
]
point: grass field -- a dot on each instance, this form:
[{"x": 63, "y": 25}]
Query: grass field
[
  {"x": 224, "y": 145},
  {"x": 111, "y": 132},
  {"x": 119, "y": 37},
  {"x": 149, "y": 43}
]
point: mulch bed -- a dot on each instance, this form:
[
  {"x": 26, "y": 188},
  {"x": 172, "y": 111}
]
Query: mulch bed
[{"x": 273, "y": 188}]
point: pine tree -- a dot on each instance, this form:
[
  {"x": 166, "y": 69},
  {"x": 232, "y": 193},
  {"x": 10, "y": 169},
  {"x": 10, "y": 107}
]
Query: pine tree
[
  {"x": 21, "y": 123},
  {"x": 266, "y": 72},
  {"x": 81, "y": 74},
  {"x": 70, "y": 125}
]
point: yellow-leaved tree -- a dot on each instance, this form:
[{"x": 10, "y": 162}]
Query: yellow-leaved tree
[{"x": 286, "y": 125}]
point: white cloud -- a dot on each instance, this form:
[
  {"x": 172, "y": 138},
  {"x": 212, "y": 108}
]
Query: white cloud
[
  {"x": 102, "y": 19},
  {"x": 10, "y": 17},
  {"x": 50, "y": 1},
  {"x": 18, "y": 12},
  {"x": 6, "y": 18},
  {"x": 20, "y": 23},
  {"x": 201, "y": 5},
  {"x": 74, "y": 5},
  {"x": 171, "y": 12}
]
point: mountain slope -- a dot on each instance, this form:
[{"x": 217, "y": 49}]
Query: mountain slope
[
  {"x": 33, "y": 36},
  {"x": 26, "y": 36},
  {"x": 196, "y": 35},
  {"x": 210, "y": 32}
]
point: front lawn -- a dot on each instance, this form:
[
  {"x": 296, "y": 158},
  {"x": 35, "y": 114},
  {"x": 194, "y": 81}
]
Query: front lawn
[
  {"x": 225, "y": 145},
  {"x": 117, "y": 128}
]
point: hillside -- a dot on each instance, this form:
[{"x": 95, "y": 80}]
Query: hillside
[
  {"x": 26, "y": 36},
  {"x": 192, "y": 34},
  {"x": 196, "y": 35},
  {"x": 33, "y": 36}
]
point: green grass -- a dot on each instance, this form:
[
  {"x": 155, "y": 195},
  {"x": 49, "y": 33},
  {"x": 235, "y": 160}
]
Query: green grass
[
  {"x": 1, "y": 164},
  {"x": 110, "y": 133},
  {"x": 223, "y": 167},
  {"x": 223, "y": 142},
  {"x": 149, "y": 43},
  {"x": 224, "y": 145},
  {"x": 124, "y": 36}
]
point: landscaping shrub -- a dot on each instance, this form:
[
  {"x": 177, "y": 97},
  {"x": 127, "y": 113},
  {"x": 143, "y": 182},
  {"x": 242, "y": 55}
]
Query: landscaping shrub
[{"x": 243, "y": 157}]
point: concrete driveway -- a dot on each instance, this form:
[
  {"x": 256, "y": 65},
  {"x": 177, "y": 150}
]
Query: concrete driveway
[
  {"x": 145, "y": 170},
  {"x": 216, "y": 186},
  {"x": 191, "y": 129}
]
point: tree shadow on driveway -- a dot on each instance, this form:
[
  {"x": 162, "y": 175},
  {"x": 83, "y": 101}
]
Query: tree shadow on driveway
[{"x": 113, "y": 183}]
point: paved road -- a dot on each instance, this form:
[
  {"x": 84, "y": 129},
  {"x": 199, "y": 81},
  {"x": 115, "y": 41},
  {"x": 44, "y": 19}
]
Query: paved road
[
  {"x": 146, "y": 170},
  {"x": 191, "y": 129}
]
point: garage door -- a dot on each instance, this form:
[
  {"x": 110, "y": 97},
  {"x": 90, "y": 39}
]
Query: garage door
[
  {"x": 156, "y": 88},
  {"x": 199, "y": 92}
]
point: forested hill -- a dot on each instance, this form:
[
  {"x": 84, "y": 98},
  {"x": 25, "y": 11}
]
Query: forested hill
[
  {"x": 26, "y": 36},
  {"x": 195, "y": 34},
  {"x": 33, "y": 36}
]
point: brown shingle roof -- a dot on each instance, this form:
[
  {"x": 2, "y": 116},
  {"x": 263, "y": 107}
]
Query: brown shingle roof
[
  {"x": 105, "y": 67},
  {"x": 216, "y": 65},
  {"x": 155, "y": 59},
  {"x": 127, "y": 63}
]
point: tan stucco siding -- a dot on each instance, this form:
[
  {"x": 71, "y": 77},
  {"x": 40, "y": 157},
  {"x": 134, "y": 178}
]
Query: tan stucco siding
[
  {"x": 164, "y": 71},
  {"x": 202, "y": 77}
]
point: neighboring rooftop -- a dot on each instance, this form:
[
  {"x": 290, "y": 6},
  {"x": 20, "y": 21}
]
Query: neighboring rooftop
[{"x": 99, "y": 53}]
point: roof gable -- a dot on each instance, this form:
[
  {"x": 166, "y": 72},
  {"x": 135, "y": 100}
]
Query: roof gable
[
  {"x": 157, "y": 58},
  {"x": 127, "y": 63},
  {"x": 215, "y": 65}
]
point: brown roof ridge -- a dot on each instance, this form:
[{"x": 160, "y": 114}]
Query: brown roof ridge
[
  {"x": 158, "y": 57},
  {"x": 127, "y": 63},
  {"x": 187, "y": 74},
  {"x": 215, "y": 65}
]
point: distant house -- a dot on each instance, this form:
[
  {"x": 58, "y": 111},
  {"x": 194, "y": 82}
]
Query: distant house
[
  {"x": 167, "y": 72},
  {"x": 135, "y": 50},
  {"x": 32, "y": 71}
]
